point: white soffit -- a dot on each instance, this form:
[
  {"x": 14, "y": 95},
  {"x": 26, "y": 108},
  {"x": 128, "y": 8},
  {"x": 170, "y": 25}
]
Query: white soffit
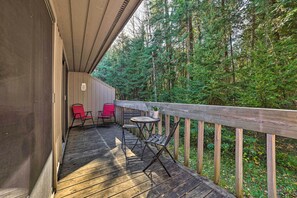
[{"x": 88, "y": 28}]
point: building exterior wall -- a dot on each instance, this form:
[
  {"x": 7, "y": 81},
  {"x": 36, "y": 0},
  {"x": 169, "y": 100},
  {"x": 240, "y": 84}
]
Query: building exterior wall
[
  {"x": 26, "y": 96},
  {"x": 31, "y": 99},
  {"x": 58, "y": 100},
  {"x": 43, "y": 186},
  {"x": 96, "y": 94}
]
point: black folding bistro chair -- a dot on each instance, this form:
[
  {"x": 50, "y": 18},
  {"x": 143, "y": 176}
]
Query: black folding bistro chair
[
  {"x": 128, "y": 126},
  {"x": 162, "y": 142}
]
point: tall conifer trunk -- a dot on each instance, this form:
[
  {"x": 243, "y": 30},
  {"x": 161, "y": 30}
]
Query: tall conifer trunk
[{"x": 190, "y": 40}]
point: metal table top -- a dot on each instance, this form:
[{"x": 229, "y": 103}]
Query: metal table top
[{"x": 144, "y": 119}]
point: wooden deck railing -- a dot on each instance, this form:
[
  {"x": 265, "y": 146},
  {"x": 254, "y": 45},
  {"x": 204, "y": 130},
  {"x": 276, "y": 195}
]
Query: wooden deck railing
[{"x": 269, "y": 121}]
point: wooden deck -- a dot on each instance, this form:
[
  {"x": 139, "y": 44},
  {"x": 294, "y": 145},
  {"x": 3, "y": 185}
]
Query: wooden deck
[{"x": 94, "y": 165}]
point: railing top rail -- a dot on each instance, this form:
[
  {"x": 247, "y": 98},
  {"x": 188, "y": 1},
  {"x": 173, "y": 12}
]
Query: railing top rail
[{"x": 273, "y": 121}]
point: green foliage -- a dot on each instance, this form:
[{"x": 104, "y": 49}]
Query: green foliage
[
  {"x": 239, "y": 53},
  {"x": 255, "y": 181},
  {"x": 127, "y": 68},
  {"x": 155, "y": 108}
]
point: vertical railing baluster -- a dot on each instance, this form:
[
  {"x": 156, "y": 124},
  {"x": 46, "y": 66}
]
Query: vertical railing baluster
[
  {"x": 271, "y": 166},
  {"x": 167, "y": 124},
  {"x": 147, "y": 113},
  {"x": 187, "y": 141},
  {"x": 116, "y": 114},
  {"x": 238, "y": 162},
  {"x": 176, "y": 139},
  {"x": 200, "y": 144},
  {"x": 122, "y": 115},
  {"x": 160, "y": 125},
  {"x": 154, "y": 129},
  {"x": 217, "y": 153}
]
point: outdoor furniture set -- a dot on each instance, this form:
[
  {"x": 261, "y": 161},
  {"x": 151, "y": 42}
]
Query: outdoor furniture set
[
  {"x": 145, "y": 127},
  {"x": 132, "y": 119},
  {"x": 108, "y": 113}
]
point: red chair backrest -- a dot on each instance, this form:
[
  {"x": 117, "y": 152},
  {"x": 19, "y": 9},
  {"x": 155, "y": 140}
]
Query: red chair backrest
[
  {"x": 78, "y": 110},
  {"x": 108, "y": 109}
]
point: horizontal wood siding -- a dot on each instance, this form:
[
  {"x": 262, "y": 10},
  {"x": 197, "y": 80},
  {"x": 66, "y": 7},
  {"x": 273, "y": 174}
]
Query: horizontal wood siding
[{"x": 93, "y": 98}]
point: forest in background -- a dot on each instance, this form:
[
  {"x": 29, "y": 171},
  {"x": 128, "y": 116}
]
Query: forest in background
[
  {"x": 238, "y": 52},
  {"x": 215, "y": 52}
]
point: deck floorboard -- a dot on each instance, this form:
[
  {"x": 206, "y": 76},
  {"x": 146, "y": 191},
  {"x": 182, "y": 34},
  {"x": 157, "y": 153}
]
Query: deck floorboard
[{"x": 94, "y": 165}]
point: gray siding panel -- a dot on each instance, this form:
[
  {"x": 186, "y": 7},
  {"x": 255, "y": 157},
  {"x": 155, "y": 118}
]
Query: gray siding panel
[
  {"x": 25, "y": 87},
  {"x": 93, "y": 98}
]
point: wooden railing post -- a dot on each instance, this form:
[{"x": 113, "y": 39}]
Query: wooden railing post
[
  {"x": 118, "y": 114},
  {"x": 160, "y": 125},
  {"x": 238, "y": 162},
  {"x": 154, "y": 126},
  {"x": 200, "y": 144},
  {"x": 150, "y": 125},
  {"x": 176, "y": 139},
  {"x": 121, "y": 115},
  {"x": 271, "y": 166},
  {"x": 187, "y": 141},
  {"x": 115, "y": 113},
  {"x": 217, "y": 153},
  {"x": 154, "y": 129},
  {"x": 167, "y": 124}
]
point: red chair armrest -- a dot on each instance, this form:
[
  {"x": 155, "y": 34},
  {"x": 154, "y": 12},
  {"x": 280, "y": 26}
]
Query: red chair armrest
[{"x": 89, "y": 112}]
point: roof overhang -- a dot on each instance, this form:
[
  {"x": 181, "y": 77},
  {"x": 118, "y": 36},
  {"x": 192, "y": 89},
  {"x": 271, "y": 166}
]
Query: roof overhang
[{"x": 88, "y": 28}]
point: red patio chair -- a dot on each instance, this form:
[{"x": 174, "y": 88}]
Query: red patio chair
[
  {"x": 80, "y": 114},
  {"x": 107, "y": 113}
]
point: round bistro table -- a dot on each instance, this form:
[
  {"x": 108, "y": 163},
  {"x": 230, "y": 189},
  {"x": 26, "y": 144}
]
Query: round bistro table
[{"x": 145, "y": 124}]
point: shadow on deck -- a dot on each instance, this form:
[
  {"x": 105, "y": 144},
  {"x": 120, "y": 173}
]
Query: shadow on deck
[{"x": 94, "y": 165}]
